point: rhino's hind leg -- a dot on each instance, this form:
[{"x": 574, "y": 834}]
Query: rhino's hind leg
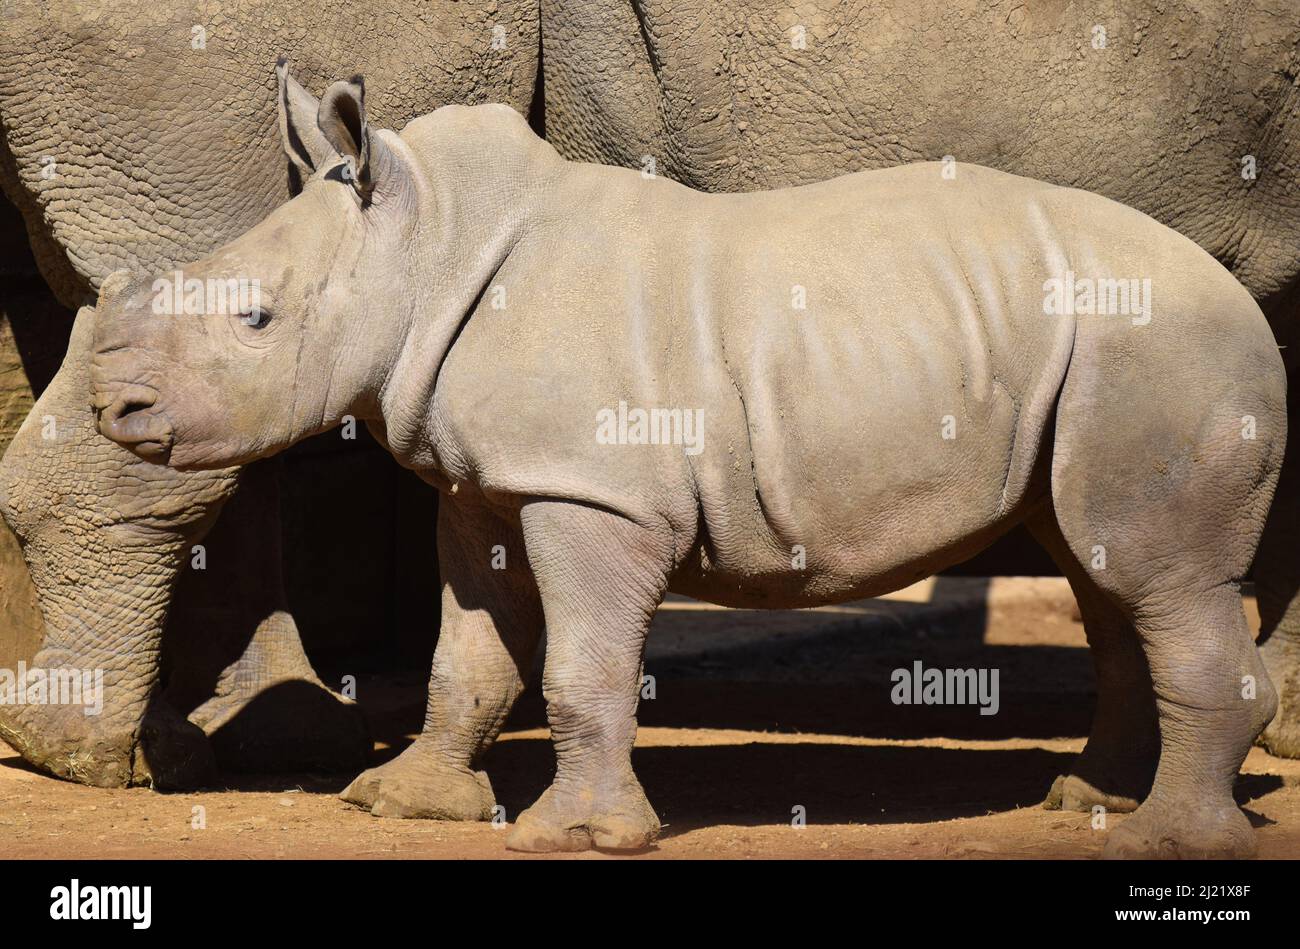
[
  {"x": 1163, "y": 509},
  {"x": 1117, "y": 764},
  {"x": 1214, "y": 698},
  {"x": 491, "y": 625},
  {"x": 1277, "y": 585},
  {"x": 1212, "y": 694},
  {"x": 270, "y": 712},
  {"x": 601, "y": 578}
]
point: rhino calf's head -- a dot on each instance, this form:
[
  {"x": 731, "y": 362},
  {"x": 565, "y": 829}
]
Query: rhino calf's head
[{"x": 279, "y": 334}]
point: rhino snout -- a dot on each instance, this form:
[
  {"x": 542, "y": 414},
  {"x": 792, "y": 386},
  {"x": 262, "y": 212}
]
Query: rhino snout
[{"x": 129, "y": 415}]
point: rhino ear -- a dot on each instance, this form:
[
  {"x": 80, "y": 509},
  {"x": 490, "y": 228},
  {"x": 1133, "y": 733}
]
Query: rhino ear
[
  {"x": 342, "y": 120},
  {"x": 303, "y": 142}
]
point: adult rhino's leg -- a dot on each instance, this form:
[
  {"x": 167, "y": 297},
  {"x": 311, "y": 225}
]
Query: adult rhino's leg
[
  {"x": 236, "y": 664},
  {"x": 34, "y": 330},
  {"x": 601, "y": 577},
  {"x": 1277, "y": 587},
  {"x": 492, "y": 622},
  {"x": 1117, "y": 764},
  {"x": 103, "y": 535}
]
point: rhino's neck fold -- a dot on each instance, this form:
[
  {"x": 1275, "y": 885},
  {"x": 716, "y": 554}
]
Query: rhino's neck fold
[{"x": 467, "y": 235}]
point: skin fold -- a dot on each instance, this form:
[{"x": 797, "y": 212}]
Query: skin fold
[
  {"x": 114, "y": 163},
  {"x": 481, "y": 302}
]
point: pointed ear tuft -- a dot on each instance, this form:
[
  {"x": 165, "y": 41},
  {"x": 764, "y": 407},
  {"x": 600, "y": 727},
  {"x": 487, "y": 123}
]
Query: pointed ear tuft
[{"x": 302, "y": 140}]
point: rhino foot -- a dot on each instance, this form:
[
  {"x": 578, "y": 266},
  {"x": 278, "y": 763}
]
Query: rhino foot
[
  {"x": 574, "y": 819},
  {"x": 295, "y": 725},
  {"x": 419, "y": 784},
  {"x": 1070, "y": 792},
  {"x": 1281, "y": 737},
  {"x": 165, "y": 751},
  {"x": 1169, "y": 830}
]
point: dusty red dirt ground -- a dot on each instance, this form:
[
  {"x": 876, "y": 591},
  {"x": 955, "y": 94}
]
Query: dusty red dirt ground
[{"x": 754, "y": 715}]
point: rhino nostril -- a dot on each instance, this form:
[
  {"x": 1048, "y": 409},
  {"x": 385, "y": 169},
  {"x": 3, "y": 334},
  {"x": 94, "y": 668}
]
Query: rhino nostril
[
  {"x": 126, "y": 407},
  {"x": 116, "y": 405},
  {"x": 131, "y": 418}
]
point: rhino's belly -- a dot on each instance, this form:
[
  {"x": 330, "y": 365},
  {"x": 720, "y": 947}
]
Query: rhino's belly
[
  {"x": 853, "y": 494},
  {"x": 884, "y": 546},
  {"x": 792, "y": 584}
]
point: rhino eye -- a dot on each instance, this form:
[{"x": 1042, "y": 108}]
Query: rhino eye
[{"x": 257, "y": 318}]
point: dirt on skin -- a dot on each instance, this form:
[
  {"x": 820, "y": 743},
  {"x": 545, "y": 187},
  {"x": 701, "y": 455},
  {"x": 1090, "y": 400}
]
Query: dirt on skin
[{"x": 756, "y": 718}]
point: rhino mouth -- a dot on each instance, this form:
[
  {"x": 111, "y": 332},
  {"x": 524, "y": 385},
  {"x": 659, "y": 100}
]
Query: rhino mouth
[{"x": 130, "y": 416}]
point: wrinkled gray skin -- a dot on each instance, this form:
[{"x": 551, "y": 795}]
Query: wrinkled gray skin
[
  {"x": 151, "y": 171},
  {"x": 479, "y": 301},
  {"x": 1159, "y": 119}
]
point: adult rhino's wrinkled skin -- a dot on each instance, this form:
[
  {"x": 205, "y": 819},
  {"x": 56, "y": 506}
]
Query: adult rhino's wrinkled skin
[
  {"x": 141, "y": 135},
  {"x": 877, "y": 385},
  {"x": 162, "y": 151},
  {"x": 1187, "y": 111},
  {"x": 744, "y": 97}
]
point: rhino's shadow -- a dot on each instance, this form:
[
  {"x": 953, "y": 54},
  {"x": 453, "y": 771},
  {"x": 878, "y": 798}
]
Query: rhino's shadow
[
  {"x": 805, "y": 676},
  {"x": 761, "y": 784}
]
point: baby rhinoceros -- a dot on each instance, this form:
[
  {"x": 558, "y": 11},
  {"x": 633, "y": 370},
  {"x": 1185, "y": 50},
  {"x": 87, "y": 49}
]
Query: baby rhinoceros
[{"x": 624, "y": 387}]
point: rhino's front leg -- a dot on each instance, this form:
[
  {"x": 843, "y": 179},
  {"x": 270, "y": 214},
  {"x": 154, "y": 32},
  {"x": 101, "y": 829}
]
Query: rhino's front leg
[
  {"x": 491, "y": 625},
  {"x": 601, "y": 577}
]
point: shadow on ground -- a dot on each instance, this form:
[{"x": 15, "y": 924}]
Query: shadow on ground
[
  {"x": 761, "y": 784},
  {"x": 805, "y": 673}
]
